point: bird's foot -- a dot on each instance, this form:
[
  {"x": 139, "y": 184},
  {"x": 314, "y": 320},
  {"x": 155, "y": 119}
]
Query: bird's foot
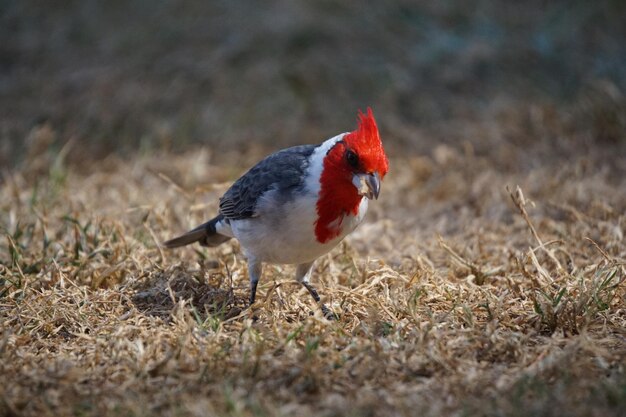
[
  {"x": 328, "y": 314},
  {"x": 251, "y": 311}
]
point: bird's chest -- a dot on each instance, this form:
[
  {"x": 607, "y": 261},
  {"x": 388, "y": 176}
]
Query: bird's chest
[{"x": 285, "y": 232}]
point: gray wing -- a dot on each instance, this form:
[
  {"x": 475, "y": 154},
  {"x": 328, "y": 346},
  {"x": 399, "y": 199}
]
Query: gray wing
[{"x": 283, "y": 170}]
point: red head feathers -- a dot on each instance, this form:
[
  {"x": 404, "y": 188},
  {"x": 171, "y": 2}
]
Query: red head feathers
[
  {"x": 365, "y": 142},
  {"x": 358, "y": 154}
]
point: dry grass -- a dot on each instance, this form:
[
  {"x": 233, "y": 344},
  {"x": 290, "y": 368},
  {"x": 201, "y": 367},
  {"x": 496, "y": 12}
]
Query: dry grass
[{"x": 459, "y": 296}]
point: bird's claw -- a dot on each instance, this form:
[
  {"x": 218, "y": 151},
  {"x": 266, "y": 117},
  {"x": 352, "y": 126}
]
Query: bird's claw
[{"x": 328, "y": 314}]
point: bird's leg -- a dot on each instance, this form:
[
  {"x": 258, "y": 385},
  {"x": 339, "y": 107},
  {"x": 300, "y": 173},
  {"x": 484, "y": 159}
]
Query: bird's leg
[
  {"x": 255, "y": 269},
  {"x": 303, "y": 275}
]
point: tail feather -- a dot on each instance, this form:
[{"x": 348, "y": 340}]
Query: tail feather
[{"x": 205, "y": 234}]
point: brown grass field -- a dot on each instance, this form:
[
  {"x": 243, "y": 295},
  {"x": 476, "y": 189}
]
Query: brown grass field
[
  {"x": 488, "y": 279},
  {"x": 462, "y": 294}
]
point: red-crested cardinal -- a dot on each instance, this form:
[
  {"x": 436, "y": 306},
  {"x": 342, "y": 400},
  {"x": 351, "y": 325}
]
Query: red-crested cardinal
[{"x": 298, "y": 203}]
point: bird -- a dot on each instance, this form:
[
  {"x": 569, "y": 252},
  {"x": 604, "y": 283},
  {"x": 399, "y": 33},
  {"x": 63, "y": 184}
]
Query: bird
[{"x": 298, "y": 203}]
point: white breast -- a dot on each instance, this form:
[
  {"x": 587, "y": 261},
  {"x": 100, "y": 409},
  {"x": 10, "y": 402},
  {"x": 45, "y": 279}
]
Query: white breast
[{"x": 284, "y": 231}]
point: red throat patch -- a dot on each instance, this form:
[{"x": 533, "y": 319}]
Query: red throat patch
[{"x": 338, "y": 196}]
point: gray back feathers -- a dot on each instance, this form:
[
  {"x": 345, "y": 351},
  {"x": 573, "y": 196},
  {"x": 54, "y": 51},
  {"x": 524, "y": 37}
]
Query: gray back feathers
[{"x": 282, "y": 171}]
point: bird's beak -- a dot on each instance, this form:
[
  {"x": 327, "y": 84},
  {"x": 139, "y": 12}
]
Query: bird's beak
[{"x": 367, "y": 185}]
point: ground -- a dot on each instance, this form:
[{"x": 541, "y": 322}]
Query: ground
[
  {"x": 488, "y": 279},
  {"x": 459, "y": 295}
]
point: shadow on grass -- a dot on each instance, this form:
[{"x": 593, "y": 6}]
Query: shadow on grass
[{"x": 208, "y": 294}]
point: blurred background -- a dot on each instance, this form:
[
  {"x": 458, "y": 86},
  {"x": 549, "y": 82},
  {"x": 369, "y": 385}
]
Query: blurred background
[{"x": 122, "y": 77}]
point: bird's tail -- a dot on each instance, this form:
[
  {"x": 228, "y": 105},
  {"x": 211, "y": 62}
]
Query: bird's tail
[{"x": 205, "y": 234}]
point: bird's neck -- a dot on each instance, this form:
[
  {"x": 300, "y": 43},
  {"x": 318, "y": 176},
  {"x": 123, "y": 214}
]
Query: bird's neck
[{"x": 337, "y": 197}]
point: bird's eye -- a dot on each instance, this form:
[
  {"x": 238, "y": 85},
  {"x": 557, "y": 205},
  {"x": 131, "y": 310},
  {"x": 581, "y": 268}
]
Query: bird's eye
[{"x": 352, "y": 158}]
